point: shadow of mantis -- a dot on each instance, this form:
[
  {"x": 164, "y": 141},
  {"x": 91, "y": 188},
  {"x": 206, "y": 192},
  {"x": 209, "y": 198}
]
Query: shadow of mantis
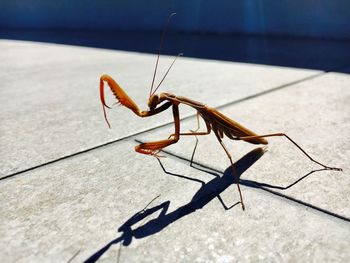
[{"x": 206, "y": 193}]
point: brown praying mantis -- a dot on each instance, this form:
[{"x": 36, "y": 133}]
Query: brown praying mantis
[{"x": 214, "y": 120}]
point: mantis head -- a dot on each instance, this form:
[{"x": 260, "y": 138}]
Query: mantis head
[{"x": 153, "y": 101}]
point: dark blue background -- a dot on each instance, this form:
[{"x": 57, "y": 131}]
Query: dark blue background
[
  {"x": 311, "y": 18},
  {"x": 294, "y": 33}
]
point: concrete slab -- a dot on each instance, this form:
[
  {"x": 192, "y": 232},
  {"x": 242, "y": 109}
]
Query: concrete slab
[
  {"x": 91, "y": 207},
  {"x": 50, "y": 103},
  {"x": 315, "y": 114}
]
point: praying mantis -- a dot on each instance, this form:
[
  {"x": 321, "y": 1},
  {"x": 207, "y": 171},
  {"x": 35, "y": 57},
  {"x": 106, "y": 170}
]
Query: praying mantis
[{"x": 214, "y": 120}]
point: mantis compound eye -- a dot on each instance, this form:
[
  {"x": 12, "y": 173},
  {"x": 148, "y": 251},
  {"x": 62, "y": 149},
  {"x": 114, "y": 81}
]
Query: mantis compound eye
[{"x": 153, "y": 102}]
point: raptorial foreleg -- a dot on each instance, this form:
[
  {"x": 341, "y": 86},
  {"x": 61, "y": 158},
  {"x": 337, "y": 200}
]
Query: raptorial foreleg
[
  {"x": 124, "y": 99},
  {"x": 153, "y": 148}
]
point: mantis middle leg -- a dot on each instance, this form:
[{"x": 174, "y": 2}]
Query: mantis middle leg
[{"x": 195, "y": 133}]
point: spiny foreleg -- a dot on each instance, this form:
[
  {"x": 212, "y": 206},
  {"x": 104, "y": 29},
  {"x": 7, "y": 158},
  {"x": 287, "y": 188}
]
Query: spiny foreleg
[
  {"x": 124, "y": 99},
  {"x": 153, "y": 148}
]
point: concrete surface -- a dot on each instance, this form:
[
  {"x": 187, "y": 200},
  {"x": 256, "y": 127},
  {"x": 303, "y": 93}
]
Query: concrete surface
[
  {"x": 72, "y": 190},
  {"x": 51, "y": 96}
]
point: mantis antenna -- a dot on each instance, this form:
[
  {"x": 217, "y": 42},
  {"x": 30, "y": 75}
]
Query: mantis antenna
[
  {"x": 160, "y": 47},
  {"x": 180, "y": 54}
]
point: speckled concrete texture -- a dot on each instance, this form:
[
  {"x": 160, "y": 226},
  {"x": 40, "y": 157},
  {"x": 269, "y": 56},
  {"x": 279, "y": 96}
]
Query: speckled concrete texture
[
  {"x": 313, "y": 114},
  {"x": 111, "y": 204},
  {"x": 50, "y": 95}
]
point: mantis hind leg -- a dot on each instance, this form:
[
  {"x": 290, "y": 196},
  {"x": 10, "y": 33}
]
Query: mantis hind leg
[
  {"x": 234, "y": 172},
  {"x": 295, "y": 144}
]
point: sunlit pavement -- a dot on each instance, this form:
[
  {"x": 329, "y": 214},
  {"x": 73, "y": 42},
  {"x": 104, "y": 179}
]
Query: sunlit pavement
[{"x": 74, "y": 190}]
